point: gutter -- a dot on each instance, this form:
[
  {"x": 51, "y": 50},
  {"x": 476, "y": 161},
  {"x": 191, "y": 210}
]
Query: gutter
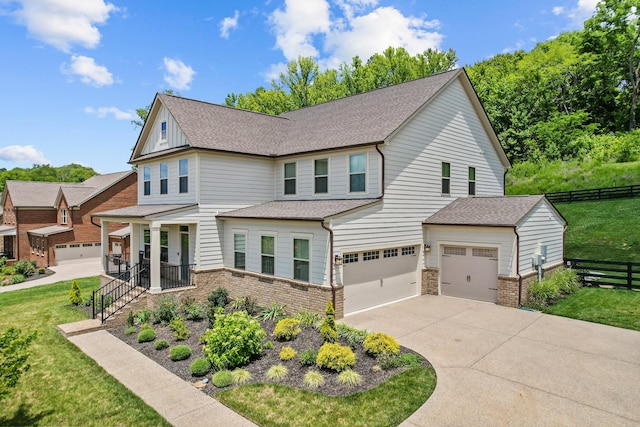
[
  {"x": 333, "y": 286},
  {"x": 97, "y": 225},
  {"x": 515, "y": 231}
]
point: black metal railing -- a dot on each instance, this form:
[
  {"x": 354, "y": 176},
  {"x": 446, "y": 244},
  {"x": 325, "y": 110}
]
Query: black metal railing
[
  {"x": 116, "y": 264},
  {"x": 119, "y": 292},
  {"x": 627, "y": 191},
  {"x": 176, "y": 276},
  {"x": 606, "y": 273}
]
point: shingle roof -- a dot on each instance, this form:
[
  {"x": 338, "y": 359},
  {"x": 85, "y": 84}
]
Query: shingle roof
[
  {"x": 505, "y": 211},
  {"x": 362, "y": 119},
  {"x": 141, "y": 211},
  {"x": 49, "y": 230},
  {"x": 304, "y": 210}
]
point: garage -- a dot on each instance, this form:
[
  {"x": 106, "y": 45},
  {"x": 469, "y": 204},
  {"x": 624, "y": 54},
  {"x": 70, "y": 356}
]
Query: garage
[
  {"x": 377, "y": 277},
  {"x": 77, "y": 251},
  {"x": 470, "y": 272}
]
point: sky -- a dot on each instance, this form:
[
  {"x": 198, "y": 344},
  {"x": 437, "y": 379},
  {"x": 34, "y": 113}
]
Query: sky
[{"x": 73, "y": 72}]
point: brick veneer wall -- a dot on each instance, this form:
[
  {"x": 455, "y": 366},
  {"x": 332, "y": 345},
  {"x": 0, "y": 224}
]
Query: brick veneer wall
[
  {"x": 508, "y": 289},
  {"x": 430, "y": 277}
]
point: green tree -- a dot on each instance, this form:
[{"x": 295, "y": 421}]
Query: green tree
[
  {"x": 14, "y": 352},
  {"x": 68, "y": 173}
]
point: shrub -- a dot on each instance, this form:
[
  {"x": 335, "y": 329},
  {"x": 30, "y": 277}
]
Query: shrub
[
  {"x": 240, "y": 376},
  {"x": 308, "y": 319},
  {"x": 161, "y": 344},
  {"x": 328, "y": 329},
  {"x": 287, "y": 353},
  {"x": 248, "y": 304},
  {"x": 218, "y": 298},
  {"x": 349, "y": 378},
  {"x": 192, "y": 309},
  {"x": 74, "y": 294},
  {"x": 42, "y": 270},
  {"x": 377, "y": 344},
  {"x": 287, "y": 329},
  {"x": 3, "y": 261},
  {"x": 313, "y": 379},
  {"x": 200, "y": 367},
  {"x": 143, "y": 316},
  {"x": 130, "y": 319},
  {"x": 277, "y": 372},
  {"x": 542, "y": 294},
  {"x": 24, "y": 267},
  {"x": 179, "y": 352},
  {"x": 222, "y": 379},
  {"x": 146, "y": 335},
  {"x": 410, "y": 360},
  {"x": 274, "y": 312},
  {"x": 335, "y": 357},
  {"x": 567, "y": 280},
  {"x": 17, "y": 278},
  {"x": 308, "y": 357},
  {"x": 179, "y": 328},
  {"x": 353, "y": 336},
  {"x": 233, "y": 340},
  {"x": 268, "y": 345},
  {"x": 166, "y": 311},
  {"x": 130, "y": 330}
]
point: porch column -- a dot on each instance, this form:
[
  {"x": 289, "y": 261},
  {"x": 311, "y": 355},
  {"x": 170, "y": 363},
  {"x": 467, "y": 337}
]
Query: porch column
[
  {"x": 104, "y": 244},
  {"x": 155, "y": 258},
  {"x": 134, "y": 243}
]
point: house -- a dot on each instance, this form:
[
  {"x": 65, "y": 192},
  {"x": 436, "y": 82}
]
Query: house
[
  {"x": 329, "y": 202},
  {"x": 50, "y": 222}
]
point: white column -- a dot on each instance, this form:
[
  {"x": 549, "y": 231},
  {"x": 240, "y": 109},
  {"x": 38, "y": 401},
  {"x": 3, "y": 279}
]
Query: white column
[
  {"x": 134, "y": 243},
  {"x": 104, "y": 244},
  {"x": 155, "y": 258}
]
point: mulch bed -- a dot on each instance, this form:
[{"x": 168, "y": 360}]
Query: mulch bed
[{"x": 307, "y": 339}]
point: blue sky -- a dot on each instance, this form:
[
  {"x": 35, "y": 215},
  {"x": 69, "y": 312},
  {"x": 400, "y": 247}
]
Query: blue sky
[{"x": 74, "y": 71}]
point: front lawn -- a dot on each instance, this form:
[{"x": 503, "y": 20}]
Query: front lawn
[
  {"x": 614, "y": 307},
  {"x": 63, "y": 386}
]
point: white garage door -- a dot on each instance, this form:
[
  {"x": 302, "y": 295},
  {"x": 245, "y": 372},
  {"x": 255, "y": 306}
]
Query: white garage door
[
  {"x": 469, "y": 272},
  {"x": 378, "y": 277},
  {"x": 77, "y": 251}
]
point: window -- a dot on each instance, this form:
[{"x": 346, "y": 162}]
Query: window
[
  {"x": 410, "y": 250},
  {"x": 183, "y": 184},
  {"x": 357, "y": 173},
  {"x": 370, "y": 255},
  {"x": 63, "y": 216},
  {"x": 472, "y": 181},
  {"x": 147, "y": 243},
  {"x": 87, "y": 245},
  {"x": 301, "y": 259},
  {"x": 388, "y": 253},
  {"x": 164, "y": 178},
  {"x": 268, "y": 251},
  {"x": 164, "y": 246},
  {"x": 147, "y": 180},
  {"x": 446, "y": 178},
  {"x": 349, "y": 258},
  {"x": 33, "y": 246},
  {"x": 239, "y": 251},
  {"x": 321, "y": 176},
  {"x": 163, "y": 131},
  {"x": 290, "y": 178}
]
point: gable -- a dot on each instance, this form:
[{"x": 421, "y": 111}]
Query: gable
[{"x": 152, "y": 140}]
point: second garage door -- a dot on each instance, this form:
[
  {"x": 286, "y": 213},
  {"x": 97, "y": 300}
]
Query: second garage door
[
  {"x": 470, "y": 272},
  {"x": 378, "y": 277}
]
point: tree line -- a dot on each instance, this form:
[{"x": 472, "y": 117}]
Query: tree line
[{"x": 68, "y": 173}]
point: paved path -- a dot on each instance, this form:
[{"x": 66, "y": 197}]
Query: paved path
[
  {"x": 66, "y": 271},
  {"x": 495, "y": 366}
]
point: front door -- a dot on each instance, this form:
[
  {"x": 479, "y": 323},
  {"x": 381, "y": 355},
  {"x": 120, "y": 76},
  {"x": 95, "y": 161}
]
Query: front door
[{"x": 184, "y": 255}]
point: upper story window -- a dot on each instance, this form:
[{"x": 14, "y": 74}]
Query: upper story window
[
  {"x": 357, "y": 173},
  {"x": 268, "y": 254},
  {"x": 146, "y": 172},
  {"x": 164, "y": 178},
  {"x": 183, "y": 166},
  {"x": 321, "y": 176},
  {"x": 301, "y": 259},
  {"x": 446, "y": 178},
  {"x": 290, "y": 178},
  {"x": 239, "y": 250},
  {"x": 472, "y": 181},
  {"x": 163, "y": 131},
  {"x": 63, "y": 216}
]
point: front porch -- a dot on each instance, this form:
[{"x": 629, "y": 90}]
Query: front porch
[{"x": 171, "y": 276}]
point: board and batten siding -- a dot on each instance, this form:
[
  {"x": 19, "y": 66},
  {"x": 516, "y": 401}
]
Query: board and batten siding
[
  {"x": 541, "y": 226},
  {"x": 175, "y": 136},
  {"x": 284, "y": 232},
  {"x": 446, "y": 130},
  {"x": 338, "y": 176},
  {"x": 502, "y": 238},
  {"x": 173, "y": 195}
]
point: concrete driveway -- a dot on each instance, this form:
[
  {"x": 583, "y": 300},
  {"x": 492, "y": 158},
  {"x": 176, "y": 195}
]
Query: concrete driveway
[{"x": 504, "y": 366}]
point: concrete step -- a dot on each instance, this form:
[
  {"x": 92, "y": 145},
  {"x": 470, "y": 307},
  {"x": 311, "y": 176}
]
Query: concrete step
[{"x": 81, "y": 327}]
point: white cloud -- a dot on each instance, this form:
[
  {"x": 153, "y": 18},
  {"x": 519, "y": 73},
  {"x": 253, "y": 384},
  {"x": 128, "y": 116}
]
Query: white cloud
[
  {"x": 558, "y": 10},
  {"x": 102, "y": 112},
  {"x": 577, "y": 15},
  {"x": 228, "y": 24},
  {"x": 178, "y": 75},
  {"x": 90, "y": 73},
  {"x": 273, "y": 73},
  {"x": 23, "y": 154},
  {"x": 64, "y": 23}
]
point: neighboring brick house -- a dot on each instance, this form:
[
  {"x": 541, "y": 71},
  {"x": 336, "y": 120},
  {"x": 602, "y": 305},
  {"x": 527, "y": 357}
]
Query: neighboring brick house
[{"x": 50, "y": 222}]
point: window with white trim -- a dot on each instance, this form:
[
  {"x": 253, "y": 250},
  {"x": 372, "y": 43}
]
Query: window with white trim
[
  {"x": 239, "y": 251},
  {"x": 301, "y": 252},
  {"x": 63, "y": 216},
  {"x": 290, "y": 178},
  {"x": 183, "y": 175},
  {"x": 472, "y": 181},
  {"x": 370, "y": 255},
  {"x": 146, "y": 172},
  {"x": 163, "y": 131},
  {"x": 268, "y": 254},
  {"x": 164, "y": 246},
  {"x": 357, "y": 173},
  {"x": 446, "y": 178},
  {"x": 321, "y": 176},
  {"x": 164, "y": 178}
]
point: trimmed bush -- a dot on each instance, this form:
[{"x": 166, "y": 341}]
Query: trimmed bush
[
  {"x": 179, "y": 328},
  {"x": 349, "y": 378},
  {"x": 313, "y": 379},
  {"x": 335, "y": 357},
  {"x": 277, "y": 372},
  {"x": 308, "y": 357},
  {"x": 233, "y": 340},
  {"x": 146, "y": 335},
  {"x": 377, "y": 344},
  {"x": 222, "y": 379},
  {"x": 287, "y": 353},
  {"x": 161, "y": 344},
  {"x": 287, "y": 329},
  {"x": 74, "y": 294},
  {"x": 240, "y": 376},
  {"x": 179, "y": 352},
  {"x": 200, "y": 367},
  {"x": 328, "y": 330}
]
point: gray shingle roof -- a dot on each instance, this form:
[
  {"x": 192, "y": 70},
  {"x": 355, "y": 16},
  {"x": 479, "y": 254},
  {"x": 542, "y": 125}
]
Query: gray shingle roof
[
  {"x": 304, "y": 210},
  {"x": 141, "y": 211},
  {"x": 505, "y": 211},
  {"x": 356, "y": 120}
]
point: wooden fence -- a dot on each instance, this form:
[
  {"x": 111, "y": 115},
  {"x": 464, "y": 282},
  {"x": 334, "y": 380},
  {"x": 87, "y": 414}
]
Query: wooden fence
[
  {"x": 594, "y": 194},
  {"x": 606, "y": 273}
]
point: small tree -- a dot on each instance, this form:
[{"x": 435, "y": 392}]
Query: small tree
[
  {"x": 328, "y": 330},
  {"x": 74, "y": 294},
  {"x": 14, "y": 352}
]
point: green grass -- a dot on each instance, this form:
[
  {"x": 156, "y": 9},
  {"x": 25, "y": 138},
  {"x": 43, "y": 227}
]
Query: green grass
[
  {"x": 386, "y": 405},
  {"x": 614, "y": 307},
  {"x": 603, "y": 230},
  {"x": 63, "y": 386}
]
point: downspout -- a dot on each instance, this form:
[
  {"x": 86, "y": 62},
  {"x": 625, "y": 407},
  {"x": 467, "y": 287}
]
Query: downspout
[
  {"x": 17, "y": 240},
  {"x": 504, "y": 183},
  {"x": 97, "y": 225},
  {"x": 382, "y": 171},
  {"x": 515, "y": 231},
  {"x": 333, "y": 286}
]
